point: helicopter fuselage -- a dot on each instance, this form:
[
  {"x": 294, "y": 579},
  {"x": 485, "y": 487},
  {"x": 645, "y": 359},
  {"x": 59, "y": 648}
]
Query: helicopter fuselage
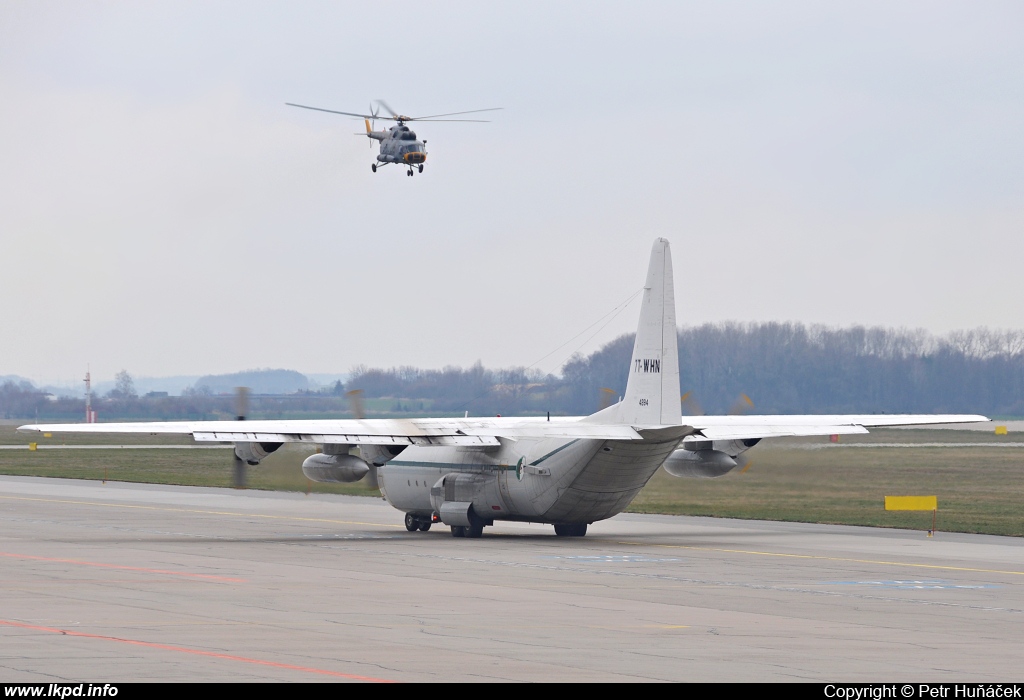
[{"x": 399, "y": 145}]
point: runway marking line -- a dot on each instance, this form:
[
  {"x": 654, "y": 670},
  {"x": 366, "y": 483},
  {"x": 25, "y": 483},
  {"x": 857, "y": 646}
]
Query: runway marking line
[
  {"x": 121, "y": 567},
  {"x": 815, "y": 556},
  {"x": 196, "y": 652},
  {"x": 204, "y": 512}
]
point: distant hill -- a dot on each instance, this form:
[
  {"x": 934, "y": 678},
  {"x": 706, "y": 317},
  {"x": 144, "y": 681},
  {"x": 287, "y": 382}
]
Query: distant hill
[{"x": 259, "y": 381}]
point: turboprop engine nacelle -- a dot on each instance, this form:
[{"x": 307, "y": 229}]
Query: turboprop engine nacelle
[
  {"x": 699, "y": 464},
  {"x": 255, "y": 452},
  {"x": 379, "y": 455},
  {"x": 333, "y": 469},
  {"x": 707, "y": 459}
]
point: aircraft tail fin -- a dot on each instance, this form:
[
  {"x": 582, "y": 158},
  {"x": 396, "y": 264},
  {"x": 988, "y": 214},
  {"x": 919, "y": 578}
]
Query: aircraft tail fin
[{"x": 652, "y": 390}]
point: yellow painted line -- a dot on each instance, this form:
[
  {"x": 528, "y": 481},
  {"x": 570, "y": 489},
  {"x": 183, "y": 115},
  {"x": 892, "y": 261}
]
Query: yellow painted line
[
  {"x": 204, "y": 512},
  {"x": 821, "y": 558}
]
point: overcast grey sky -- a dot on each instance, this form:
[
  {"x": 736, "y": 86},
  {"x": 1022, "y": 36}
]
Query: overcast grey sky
[{"x": 163, "y": 211}]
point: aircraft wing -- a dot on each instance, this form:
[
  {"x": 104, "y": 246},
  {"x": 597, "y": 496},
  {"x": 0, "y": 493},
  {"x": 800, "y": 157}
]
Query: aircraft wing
[
  {"x": 750, "y": 427},
  {"x": 486, "y": 431},
  {"x": 379, "y": 431}
]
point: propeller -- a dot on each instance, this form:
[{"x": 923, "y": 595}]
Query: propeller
[
  {"x": 355, "y": 402},
  {"x": 355, "y": 399},
  {"x": 741, "y": 406},
  {"x": 690, "y": 406},
  {"x": 241, "y": 411}
]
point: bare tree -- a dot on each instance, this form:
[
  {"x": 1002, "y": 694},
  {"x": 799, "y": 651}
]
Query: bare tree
[{"x": 124, "y": 386}]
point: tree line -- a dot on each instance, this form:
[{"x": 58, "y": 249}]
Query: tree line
[
  {"x": 783, "y": 367},
  {"x": 795, "y": 368}
]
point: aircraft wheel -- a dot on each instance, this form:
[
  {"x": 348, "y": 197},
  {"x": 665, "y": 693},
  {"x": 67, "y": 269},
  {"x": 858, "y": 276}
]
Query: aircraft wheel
[
  {"x": 476, "y": 525},
  {"x": 411, "y": 523},
  {"x": 373, "y": 167},
  {"x": 571, "y": 529},
  {"x": 458, "y": 531},
  {"x": 421, "y": 167},
  {"x": 424, "y": 526}
]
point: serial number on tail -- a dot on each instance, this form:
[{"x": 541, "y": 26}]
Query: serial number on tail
[{"x": 647, "y": 366}]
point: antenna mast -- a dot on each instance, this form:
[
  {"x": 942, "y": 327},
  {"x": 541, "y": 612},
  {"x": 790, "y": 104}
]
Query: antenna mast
[{"x": 90, "y": 416}]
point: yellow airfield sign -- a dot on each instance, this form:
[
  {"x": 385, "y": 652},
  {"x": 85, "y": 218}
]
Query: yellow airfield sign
[{"x": 911, "y": 503}]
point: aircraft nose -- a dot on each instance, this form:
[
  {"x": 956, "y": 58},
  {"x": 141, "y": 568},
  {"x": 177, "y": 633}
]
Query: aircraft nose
[{"x": 415, "y": 157}]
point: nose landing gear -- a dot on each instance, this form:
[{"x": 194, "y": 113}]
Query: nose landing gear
[{"x": 413, "y": 523}]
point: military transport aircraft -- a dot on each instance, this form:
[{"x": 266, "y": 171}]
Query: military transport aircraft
[
  {"x": 398, "y": 144},
  {"x": 469, "y": 472}
]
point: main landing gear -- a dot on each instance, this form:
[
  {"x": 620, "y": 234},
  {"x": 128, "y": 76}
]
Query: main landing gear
[
  {"x": 571, "y": 529},
  {"x": 413, "y": 523},
  {"x": 474, "y": 529},
  {"x": 373, "y": 167}
]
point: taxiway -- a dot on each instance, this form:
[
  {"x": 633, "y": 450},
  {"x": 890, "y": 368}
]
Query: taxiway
[{"x": 132, "y": 582}]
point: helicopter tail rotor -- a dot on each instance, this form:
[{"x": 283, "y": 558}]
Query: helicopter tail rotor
[{"x": 373, "y": 117}]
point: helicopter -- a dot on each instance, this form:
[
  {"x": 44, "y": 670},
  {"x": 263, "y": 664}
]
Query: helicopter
[{"x": 398, "y": 144}]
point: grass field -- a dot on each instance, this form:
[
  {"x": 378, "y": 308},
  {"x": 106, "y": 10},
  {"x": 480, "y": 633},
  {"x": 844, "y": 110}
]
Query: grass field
[
  {"x": 980, "y": 487},
  {"x": 282, "y": 471}
]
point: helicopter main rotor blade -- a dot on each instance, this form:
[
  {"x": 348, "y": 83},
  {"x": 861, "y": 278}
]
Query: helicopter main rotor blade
[
  {"x": 479, "y": 121},
  {"x": 388, "y": 109},
  {"x": 334, "y": 111},
  {"x": 453, "y": 114}
]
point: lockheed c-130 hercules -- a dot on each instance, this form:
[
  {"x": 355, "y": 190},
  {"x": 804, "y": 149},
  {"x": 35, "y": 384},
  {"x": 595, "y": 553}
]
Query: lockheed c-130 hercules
[
  {"x": 468, "y": 473},
  {"x": 398, "y": 144}
]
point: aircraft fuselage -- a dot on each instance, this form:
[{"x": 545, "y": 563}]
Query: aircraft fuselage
[{"x": 548, "y": 481}]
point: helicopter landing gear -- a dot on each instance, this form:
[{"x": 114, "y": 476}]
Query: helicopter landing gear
[
  {"x": 409, "y": 172},
  {"x": 373, "y": 167},
  {"x": 421, "y": 167}
]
